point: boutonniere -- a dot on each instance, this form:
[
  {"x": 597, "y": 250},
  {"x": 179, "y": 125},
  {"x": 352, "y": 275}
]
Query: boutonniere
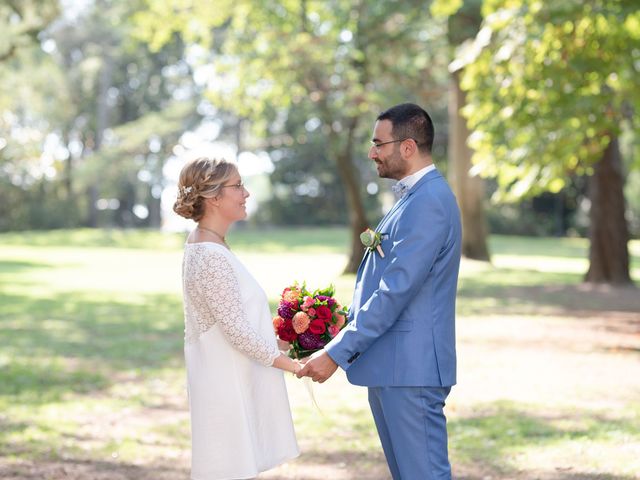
[{"x": 371, "y": 240}]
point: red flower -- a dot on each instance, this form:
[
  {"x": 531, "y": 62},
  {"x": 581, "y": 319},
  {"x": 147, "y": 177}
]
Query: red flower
[
  {"x": 323, "y": 313},
  {"x": 286, "y": 331},
  {"x": 317, "y": 326}
]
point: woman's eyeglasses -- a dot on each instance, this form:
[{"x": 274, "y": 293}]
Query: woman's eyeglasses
[{"x": 237, "y": 186}]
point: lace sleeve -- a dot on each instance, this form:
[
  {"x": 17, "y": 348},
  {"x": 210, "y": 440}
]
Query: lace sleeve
[{"x": 220, "y": 287}]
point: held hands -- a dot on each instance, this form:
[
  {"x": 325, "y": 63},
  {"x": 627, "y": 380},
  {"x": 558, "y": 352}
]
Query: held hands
[
  {"x": 297, "y": 366},
  {"x": 319, "y": 367}
]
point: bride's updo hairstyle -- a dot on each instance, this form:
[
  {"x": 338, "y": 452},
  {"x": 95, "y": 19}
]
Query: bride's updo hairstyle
[{"x": 200, "y": 179}]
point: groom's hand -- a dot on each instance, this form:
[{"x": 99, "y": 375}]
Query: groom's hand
[{"x": 319, "y": 367}]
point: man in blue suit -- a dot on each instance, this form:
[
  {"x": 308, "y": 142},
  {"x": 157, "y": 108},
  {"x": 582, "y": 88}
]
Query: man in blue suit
[{"x": 400, "y": 339}]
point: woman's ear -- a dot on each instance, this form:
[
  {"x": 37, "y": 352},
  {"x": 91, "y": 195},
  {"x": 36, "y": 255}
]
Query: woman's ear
[{"x": 212, "y": 201}]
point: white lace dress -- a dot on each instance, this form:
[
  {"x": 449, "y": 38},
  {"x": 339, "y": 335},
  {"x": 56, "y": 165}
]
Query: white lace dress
[{"x": 240, "y": 416}]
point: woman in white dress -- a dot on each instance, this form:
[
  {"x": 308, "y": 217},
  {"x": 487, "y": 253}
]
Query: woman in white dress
[{"x": 240, "y": 416}]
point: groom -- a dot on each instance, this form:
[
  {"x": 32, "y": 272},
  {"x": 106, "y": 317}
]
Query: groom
[{"x": 400, "y": 340}]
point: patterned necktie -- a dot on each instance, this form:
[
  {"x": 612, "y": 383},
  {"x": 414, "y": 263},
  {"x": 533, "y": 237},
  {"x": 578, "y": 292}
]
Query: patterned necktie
[{"x": 400, "y": 189}]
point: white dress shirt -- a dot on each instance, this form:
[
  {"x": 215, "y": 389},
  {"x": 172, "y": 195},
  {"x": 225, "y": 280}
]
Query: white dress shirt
[{"x": 409, "y": 181}]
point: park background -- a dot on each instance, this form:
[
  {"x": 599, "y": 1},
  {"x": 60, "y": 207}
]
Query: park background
[{"x": 535, "y": 105}]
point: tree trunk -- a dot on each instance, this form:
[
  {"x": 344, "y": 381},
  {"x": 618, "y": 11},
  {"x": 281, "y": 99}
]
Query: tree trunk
[
  {"x": 102, "y": 123},
  {"x": 92, "y": 214},
  {"x": 154, "y": 220},
  {"x": 348, "y": 175},
  {"x": 68, "y": 169},
  {"x": 608, "y": 231},
  {"x": 357, "y": 217},
  {"x": 469, "y": 189}
]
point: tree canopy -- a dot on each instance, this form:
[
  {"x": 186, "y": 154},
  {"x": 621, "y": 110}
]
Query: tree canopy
[
  {"x": 549, "y": 84},
  {"x": 345, "y": 61}
]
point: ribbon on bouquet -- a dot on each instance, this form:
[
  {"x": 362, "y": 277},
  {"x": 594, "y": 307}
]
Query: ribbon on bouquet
[{"x": 308, "y": 383}]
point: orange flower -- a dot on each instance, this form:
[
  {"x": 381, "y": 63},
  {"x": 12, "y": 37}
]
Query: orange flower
[
  {"x": 301, "y": 322},
  {"x": 291, "y": 296},
  {"x": 278, "y": 321}
]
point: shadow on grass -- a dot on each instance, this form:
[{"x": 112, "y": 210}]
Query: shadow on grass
[
  {"x": 76, "y": 343},
  {"x": 47, "y": 381},
  {"x": 486, "y": 441},
  {"x": 266, "y": 240},
  {"x": 539, "y": 246},
  {"x": 87, "y": 237},
  {"x": 76, "y": 469},
  {"x": 529, "y": 292},
  {"x": 18, "y": 266}
]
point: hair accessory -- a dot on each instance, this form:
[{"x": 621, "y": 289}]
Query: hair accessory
[{"x": 186, "y": 190}]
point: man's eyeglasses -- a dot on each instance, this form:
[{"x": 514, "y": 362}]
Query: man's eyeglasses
[
  {"x": 237, "y": 186},
  {"x": 378, "y": 145}
]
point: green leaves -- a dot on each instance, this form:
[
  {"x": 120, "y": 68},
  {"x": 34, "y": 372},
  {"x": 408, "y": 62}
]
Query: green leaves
[
  {"x": 337, "y": 56},
  {"x": 445, "y": 8},
  {"x": 21, "y": 22},
  {"x": 547, "y": 85}
]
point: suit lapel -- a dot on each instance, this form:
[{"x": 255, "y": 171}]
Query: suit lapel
[
  {"x": 387, "y": 217},
  {"x": 422, "y": 181}
]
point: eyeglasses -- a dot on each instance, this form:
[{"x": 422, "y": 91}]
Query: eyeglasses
[
  {"x": 237, "y": 186},
  {"x": 378, "y": 145}
]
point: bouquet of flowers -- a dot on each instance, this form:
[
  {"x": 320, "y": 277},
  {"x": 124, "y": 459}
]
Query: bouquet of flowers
[{"x": 307, "y": 321}]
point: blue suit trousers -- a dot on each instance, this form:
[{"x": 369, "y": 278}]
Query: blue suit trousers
[{"x": 413, "y": 430}]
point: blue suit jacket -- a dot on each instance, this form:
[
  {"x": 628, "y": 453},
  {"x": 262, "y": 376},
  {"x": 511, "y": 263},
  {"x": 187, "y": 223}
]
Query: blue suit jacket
[{"x": 401, "y": 329}]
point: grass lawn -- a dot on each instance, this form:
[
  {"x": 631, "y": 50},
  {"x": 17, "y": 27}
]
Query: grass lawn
[{"x": 92, "y": 379}]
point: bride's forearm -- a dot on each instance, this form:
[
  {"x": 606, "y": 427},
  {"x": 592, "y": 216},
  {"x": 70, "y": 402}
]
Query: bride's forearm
[{"x": 285, "y": 363}]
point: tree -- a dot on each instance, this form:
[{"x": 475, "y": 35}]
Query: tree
[
  {"x": 22, "y": 21},
  {"x": 305, "y": 189},
  {"x": 90, "y": 113},
  {"x": 125, "y": 120},
  {"x": 464, "y": 21},
  {"x": 550, "y": 87},
  {"x": 345, "y": 59}
]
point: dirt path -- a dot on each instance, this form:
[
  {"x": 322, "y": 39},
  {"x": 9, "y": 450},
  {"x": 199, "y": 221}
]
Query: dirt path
[{"x": 583, "y": 361}]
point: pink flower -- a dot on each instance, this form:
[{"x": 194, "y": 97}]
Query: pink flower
[
  {"x": 311, "y": 312},
  {"x": 333, "y": 330},
  {"x": 340, "y": 320},
  {"x": 301, "y": 322},
  {"x": 308, "y": 302}
]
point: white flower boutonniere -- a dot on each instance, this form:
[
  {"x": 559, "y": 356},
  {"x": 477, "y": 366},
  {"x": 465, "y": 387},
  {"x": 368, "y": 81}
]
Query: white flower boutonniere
[{"x": 371, "y": 240}]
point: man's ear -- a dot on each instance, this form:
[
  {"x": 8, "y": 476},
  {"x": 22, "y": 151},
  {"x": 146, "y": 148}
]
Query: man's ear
[{"x": 408, "y": 148}]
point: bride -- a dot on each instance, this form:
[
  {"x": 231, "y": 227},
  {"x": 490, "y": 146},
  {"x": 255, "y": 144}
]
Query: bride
[{"x": 240, "y": 416}]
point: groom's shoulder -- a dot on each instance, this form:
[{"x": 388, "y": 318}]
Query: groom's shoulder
[{"x": 434, "y": 186}]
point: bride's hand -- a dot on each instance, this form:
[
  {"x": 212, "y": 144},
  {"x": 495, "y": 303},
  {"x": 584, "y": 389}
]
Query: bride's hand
[
  {"x": 283, "y": 346},
  {"x": 297, "y": 366}
]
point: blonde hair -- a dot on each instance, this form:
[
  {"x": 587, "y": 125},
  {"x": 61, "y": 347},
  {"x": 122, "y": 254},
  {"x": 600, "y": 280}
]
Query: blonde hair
[{"x": 200, "y": 179}]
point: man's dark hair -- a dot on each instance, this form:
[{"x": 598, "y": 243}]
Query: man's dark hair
[{"x": 410, "y": 121}]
